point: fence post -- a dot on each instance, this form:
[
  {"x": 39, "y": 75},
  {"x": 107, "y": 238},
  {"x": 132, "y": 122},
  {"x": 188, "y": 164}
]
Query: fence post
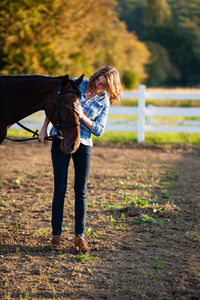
[{"x": 141, "y": 114}]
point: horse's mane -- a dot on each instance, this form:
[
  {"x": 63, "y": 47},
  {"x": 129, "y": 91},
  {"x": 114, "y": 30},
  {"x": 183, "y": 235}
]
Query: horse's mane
[
  {"x": 28, "y": 77},
  {"x": 34, "y": 81}
]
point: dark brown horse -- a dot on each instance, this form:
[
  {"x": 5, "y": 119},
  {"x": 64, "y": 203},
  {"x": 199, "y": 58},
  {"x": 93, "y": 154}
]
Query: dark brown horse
[{"x": 25, "y": 94}]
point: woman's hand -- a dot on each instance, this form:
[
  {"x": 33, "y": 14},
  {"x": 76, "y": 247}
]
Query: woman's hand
[
  {"x": 42, "y": 136},
  {"x": 79, "y": 110},
  {"x": 43, "y": 132}
]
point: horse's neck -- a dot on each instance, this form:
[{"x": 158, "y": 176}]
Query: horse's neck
[{"x": 24, "y": 98}]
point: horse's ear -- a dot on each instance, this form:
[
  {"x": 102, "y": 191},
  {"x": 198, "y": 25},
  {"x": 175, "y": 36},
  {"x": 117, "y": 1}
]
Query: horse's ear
[
  {"x": 65, "y": 81},
  {"x": 79, "y": 80}
]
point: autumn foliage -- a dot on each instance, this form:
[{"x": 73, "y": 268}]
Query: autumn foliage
[{"x": 67, "y": 36}]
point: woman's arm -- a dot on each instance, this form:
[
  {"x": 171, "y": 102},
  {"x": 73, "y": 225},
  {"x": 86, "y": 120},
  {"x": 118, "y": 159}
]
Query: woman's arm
[
  {"x": 43, "y": 132},
  {"x": 97, "y": 127}
]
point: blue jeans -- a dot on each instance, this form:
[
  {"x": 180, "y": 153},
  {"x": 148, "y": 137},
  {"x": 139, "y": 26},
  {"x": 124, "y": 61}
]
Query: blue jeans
[{"x": 81, "y": 159}]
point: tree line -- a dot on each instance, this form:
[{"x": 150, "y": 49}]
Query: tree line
[
  {"x": 56, "y": 37},
  {"x": 171, "y": 31},
  {"x": 156, "y": 42}
]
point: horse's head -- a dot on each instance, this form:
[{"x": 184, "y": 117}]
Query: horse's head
[{"x": 66, "y": 119}]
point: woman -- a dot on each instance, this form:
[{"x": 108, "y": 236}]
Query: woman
[{"x": 102, "y": 89}]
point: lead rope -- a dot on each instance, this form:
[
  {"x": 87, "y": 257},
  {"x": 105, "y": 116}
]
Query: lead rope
[{"x": 35, "y": 135}]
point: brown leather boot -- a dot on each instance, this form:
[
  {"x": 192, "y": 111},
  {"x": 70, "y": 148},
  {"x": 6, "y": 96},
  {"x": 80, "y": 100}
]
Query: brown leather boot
[
  {"x": 81, "y": 244},
  {"x": 55, "y": 242}
]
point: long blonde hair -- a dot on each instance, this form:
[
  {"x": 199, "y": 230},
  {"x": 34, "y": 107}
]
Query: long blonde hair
[{"x": 113, "y": 82}]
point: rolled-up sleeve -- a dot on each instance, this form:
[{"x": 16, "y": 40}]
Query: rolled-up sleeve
[{"x": 99, "y": 123}]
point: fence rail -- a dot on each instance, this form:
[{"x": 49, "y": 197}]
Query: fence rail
[{"x": 143, "y": 114}]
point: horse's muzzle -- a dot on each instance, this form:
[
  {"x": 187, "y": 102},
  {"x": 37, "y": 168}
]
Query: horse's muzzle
[{"x": 69, "y": 148}]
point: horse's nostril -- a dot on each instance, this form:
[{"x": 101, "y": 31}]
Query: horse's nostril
[{"x": 72, "y": 146}]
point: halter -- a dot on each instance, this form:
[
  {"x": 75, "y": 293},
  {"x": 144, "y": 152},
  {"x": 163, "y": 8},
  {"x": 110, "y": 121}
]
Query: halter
[{"x": 60, "y": 126}]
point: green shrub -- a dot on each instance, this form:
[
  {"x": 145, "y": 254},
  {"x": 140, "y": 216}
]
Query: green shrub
[{"x": 130, "y": 79}]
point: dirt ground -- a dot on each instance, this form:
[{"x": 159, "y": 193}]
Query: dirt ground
[{"x": 142, "y": 225}]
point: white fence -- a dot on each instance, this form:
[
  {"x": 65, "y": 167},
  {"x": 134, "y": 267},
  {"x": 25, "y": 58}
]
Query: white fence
[{"x": 143, "y": 113}]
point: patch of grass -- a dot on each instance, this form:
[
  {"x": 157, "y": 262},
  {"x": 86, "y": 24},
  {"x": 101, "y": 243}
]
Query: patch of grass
[
  {"x": 84, "y": 257},
  {"x": 120, "y": 227},
  {"x": 27, "y": 295},
  {"x": 113, "y": 274},
  {"x": 15, "y": 226},
  {"x": 157, "y": 209},
  {"x": 121, "y": 137},
  {"x": 172, "y": 137},
  {"x": 18, "y": 133},
  {"x": 168, "y": 184},
  {"x": 17, "y": 251},
  {"x": 188, "y": 201},
  {"x": 161, "y": 102},
  {"x": 117, "y": 138},
  {"x": 151, "y": 138},
  {"x": 194, "y": 234},
  {"x": 112, "y": 206},
  {"x": 163, "y": 196},
  {"x": 93, "y": 234},
  {"x": 40, "y": 232},
  {"x": 17, "y": 181},
  {"x": 172, "y": 174},
  {"x": 112, "y": 219},
  {"x": 158, "y": 266},
  {"x": 150, "y": 230},
  {"x": 6, "y": 202},
  {"x": 122, "y": 117},
  {"x": 146, "y": 219},
  {"x": 136, "y": 202}
]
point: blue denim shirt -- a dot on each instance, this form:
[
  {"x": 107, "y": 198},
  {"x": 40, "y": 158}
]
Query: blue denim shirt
[{"x": 96, "y": 109}]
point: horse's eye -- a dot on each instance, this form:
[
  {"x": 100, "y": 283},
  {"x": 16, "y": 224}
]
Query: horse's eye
[{"x": 68, "y": 107}]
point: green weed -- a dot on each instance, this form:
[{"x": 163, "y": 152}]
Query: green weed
[
  {"x": 123, "y": 183},
  {"x": 89, "y": 232},
  {"x": 17, "y": 251},
  {"x": 120, "y": 227},
  {"x": 113, "y": 274},
  {"x": 194, "y": 234},
  {"x": 47, "y": 173},
  {"x": 168, "y": 184},
  {"x": 158, "y": 266},
  {"x": 187, "y": 201},
  {"x": 41, "y": 232},
  {"x": 172, "y": 175},
  {"x": 112, "y": 206},
  {"x": 142, "y": 186},
  {"x": 26, "y": 296},
  {"x": 17, "y": 181},
  {"x": 150, "y": 230},
  {"x": 122, "y": 215},
  {"x": 15, "y": 226},
  {"x": 112, "y": 219},
  {"x": 147, "y": 219},
  {"x": 136, "y": 202},
  {"x": 84, "y": 257},
  {"x": 163, "y": 196},
  {"x": 157, "y": 209}
]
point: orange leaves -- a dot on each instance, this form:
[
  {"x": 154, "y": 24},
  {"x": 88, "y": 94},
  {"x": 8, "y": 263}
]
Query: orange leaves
[{"x": 69, "y": 36}]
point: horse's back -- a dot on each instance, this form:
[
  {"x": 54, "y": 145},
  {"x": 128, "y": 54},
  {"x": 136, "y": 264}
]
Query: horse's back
[{"x": 22, "y": 80}]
